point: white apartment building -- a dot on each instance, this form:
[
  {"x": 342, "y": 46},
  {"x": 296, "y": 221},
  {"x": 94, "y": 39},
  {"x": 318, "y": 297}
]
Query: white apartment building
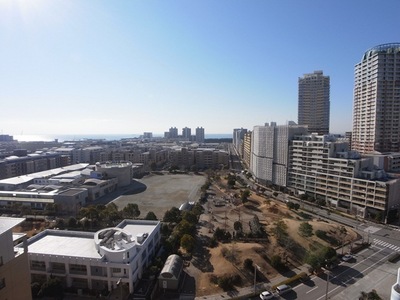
[
  {"x": 95, "y": 261},
  {"x": 314, "y": 102},
  {"x": 376, "y": 107},
  {"x": 323, "y": 167},
  {"x": 270, "y": 151}
]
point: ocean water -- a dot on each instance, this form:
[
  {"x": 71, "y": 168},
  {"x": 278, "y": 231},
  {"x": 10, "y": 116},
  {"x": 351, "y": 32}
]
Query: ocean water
[{"x": 108, "y": 137}]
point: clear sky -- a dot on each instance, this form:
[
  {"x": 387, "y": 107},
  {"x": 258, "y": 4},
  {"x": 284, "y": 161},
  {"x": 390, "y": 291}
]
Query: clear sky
[{"x": 116, "y": 67}]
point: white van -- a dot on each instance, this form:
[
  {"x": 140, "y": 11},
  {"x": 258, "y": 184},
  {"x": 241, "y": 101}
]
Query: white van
[{"x": 283, "y": 289}]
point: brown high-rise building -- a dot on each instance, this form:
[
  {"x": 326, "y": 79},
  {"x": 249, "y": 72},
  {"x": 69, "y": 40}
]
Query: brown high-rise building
[{"x": 314, "y": 102}]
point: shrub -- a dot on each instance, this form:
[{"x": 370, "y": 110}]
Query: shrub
[{"x": 248, "y": 264}]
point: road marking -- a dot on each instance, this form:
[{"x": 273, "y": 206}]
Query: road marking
[
  {"x": 353, "y": 277},
  {"x": 312, "y": 289},
  {"x": 385, "y": 244}
]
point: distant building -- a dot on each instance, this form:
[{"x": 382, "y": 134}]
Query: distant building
[
  {"x": 376, "y": 106},
  {"x": 270, "y": 151},
  {"x": 15, "y": 281},
  {"x": 314, "y": 102},
  {"x": 6, "y": 138},
  {"x": 120, "y": 170},
  {"x": 173, "y": 133},
  {"x": 247, "y": 148},
  {"x": 199, "y": 135},
  {"x": 186, "y": 133},
  {"x": 238, "y": 137},
  {"x": 99, "y": 261},
  {"x": 147, "y": 135}
]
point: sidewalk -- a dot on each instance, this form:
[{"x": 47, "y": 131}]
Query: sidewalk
[{"x": 249, "y": 291}]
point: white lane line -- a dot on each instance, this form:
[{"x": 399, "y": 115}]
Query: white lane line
[{"x": 312, "y": 289}]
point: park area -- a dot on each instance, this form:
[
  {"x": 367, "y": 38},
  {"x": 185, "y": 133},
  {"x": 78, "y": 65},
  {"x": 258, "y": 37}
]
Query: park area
[
  {"x": 288, "y": 236},
  {"x": 234, "y": 234}
]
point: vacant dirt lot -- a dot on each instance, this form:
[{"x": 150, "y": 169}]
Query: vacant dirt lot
[{"x": 159, "y": 192}]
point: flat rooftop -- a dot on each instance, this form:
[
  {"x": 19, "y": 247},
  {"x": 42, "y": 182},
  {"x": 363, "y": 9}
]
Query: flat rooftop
[
  {"x": 81, "y": 244},
  {"x": 9, "y": 223},
  {"x": 58, "y": 243}
]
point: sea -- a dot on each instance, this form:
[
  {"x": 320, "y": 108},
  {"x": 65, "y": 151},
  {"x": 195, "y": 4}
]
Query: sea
[{"x": 107, "y": 137}]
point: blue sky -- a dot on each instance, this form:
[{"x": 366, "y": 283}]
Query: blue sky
[{"x": 116, "y": 67}]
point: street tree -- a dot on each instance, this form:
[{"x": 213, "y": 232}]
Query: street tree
[
  {"x": 187, "y": 242},
  {"x": 305, "y": 229},
  {"x": 131, "y": 211}
]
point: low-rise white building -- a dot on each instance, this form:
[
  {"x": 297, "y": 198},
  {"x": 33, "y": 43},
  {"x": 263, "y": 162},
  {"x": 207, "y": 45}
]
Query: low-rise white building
[{"x": 95, "y": 261}]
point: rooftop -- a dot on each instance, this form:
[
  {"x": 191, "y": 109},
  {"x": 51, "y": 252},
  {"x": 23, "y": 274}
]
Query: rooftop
[
  {"x": 383, "y": 48},
  {"x": 9, "y": 223}
]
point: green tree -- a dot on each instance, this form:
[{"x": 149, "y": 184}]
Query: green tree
[
  {"x": 197, "y": 209},
  {"x": 172, "y": 215},
  {"x": 150, "y": 216},
  {"x": 131, "y": 211},
  {"x": 290, "y": 205},
  {"x": 190, "y": 217},
  {"x": 187, "y": 242},
  {"x": 184, "y": 227},
  {"x": 244, "y": 195},
  {"x": 248, "y": 264},
  {"x": 52, "y": 288},
  {"x": 72, "y": 222},
  {"x": 276, "y": 262},
  {"x": 238, "y": 226},
  {"x": 280, "y": 230},
  {"x": 305, "y": 229}
]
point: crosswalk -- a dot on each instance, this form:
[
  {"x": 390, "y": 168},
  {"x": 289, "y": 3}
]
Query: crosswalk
[{"x": 385, "y": 245}]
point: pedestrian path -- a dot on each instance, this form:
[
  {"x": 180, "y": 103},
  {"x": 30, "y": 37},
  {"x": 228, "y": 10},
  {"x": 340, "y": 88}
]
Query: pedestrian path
[{"x": 385, "y": 245}]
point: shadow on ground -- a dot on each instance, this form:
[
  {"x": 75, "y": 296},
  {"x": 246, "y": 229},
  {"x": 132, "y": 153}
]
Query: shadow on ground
[{"x": 201, "y": 255}]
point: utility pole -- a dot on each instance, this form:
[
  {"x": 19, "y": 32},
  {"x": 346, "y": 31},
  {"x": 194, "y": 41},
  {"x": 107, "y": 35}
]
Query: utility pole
[{"x": 327, "y": 285}]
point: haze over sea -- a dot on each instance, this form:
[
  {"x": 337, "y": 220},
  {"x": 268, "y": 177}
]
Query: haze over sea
[{"x": 108, "y": 137}]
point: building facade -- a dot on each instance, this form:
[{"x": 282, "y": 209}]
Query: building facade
[
  {"x": 95, "y": 261},
  {"x": 200, "y": 135},
  {"x": 314, "y": 102},
  {"x": 376, "y": 106},
  {"x": 14, "y": 267},
  {"x": 270, "y": 151},
  {"x": 187, "y": 133},
  {"x": 322, "y": 167}
]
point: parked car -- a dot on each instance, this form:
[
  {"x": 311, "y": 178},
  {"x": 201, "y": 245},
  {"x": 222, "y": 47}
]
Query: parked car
[
  {"x": 347, "y": 257},
  {"x": 266, "y": 295},
  {"x": 283, "y": 289}
]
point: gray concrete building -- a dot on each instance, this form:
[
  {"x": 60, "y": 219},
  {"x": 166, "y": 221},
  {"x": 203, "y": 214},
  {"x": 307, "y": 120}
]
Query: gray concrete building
[{"x": 376, "y": 106}]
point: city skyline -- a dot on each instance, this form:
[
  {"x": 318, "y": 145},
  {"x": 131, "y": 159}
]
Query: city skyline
[{"x": 124, "y": 68}]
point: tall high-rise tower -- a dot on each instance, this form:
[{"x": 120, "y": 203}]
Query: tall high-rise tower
[
  {"x": 376, "y": 106},
  {"x": 200, "y": 134},
  {"x": 314, "y": 104}
]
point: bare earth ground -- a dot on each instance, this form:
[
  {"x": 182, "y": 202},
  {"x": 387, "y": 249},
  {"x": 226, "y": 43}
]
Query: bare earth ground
[{"x": 163, "y": 192}]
